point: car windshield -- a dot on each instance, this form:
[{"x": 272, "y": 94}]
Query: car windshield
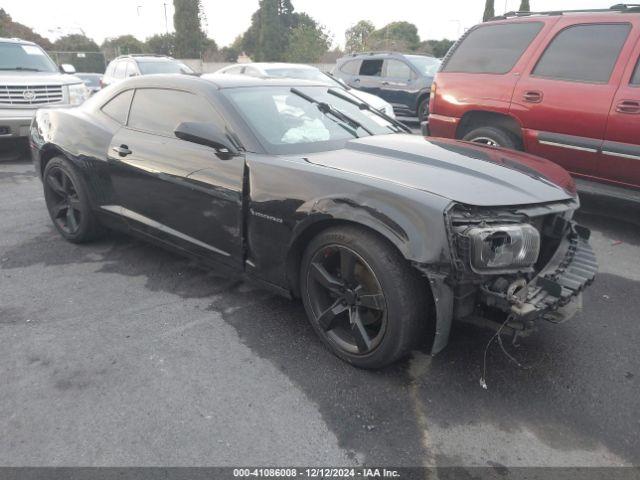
[
  {"x": 14, "y": 56},
  {"x": 426, "y": 65},
  {"x": 150, "y": 67},
  {"x": 303, "y": 119},
  {"x": 301, "y": 73}
]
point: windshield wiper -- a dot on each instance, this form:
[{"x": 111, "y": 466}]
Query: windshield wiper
[
  {"x": 334, "y": 112},
  {"x": 365, "y": 106},
  {"x": 22, "y": 69}
]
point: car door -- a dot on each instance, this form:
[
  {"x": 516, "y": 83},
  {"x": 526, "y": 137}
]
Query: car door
[
  {"x": 620, "y": 161},
  {"x": 369, "y": 77},
  {"x": 564, "y": 96},
  {"x": 396, "y": 85},
  {"x": 177, "y": 191}
]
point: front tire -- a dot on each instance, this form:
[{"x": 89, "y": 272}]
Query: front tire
[
  {"x": 493, "y": 137},
  {"x": 67, "y": 200},
  {"x": 363, "y": 299}
]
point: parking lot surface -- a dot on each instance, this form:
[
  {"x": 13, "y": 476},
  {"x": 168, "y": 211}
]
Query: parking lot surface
[{"x": 119, "y": 353}]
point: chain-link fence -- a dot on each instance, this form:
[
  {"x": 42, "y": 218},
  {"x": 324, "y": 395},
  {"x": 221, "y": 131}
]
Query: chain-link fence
[{"x": 85, "y": 62}]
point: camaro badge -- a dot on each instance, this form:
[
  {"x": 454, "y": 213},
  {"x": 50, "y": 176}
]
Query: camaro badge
[{"x": 265, "y": 216}]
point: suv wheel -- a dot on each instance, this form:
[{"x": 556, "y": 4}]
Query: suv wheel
[
  {"x": 494, "y": 137},
  {"x": 423, "y": 110}
]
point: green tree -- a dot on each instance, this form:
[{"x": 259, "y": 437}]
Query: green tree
[
  {"x": 524, "y": 6},
  {"x": 122, "y": 45},
  {"x": 161, "y": 44},
  {"x": 10, "y": 29},
  {"x": 190, "y": 38},
  {"x": 401, "y": 36},
  {"x": 307, "y": 44},
  {"x": 439, "y": 48},
  {"x": 489, "y": 11},
  {"x": 356, "y": 37},
  {"x": 75, "y": 43}
]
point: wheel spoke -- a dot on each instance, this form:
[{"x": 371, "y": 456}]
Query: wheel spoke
[
  {"x": 325, "y": 279},
  {"x": 74, "y": 202},
  {"x": 65, "y": 183},
  {"x": 327, "y": 319},
  {"x": 372, "y": 301},
  {"x": 58, "y": 209},
  {"x": 55, "y": 185},
  {"x": 347, "y": 266},
  {"x": 72, "y": 223},
  {"x": 360, "y": 335}
]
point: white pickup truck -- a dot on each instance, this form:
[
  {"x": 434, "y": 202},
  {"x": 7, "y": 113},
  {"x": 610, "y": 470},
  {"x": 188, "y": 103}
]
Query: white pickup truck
[{"x": 29, "y": 79}]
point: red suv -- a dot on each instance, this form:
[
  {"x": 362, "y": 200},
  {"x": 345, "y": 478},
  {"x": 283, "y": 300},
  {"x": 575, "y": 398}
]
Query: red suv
[{"x": 562, "y": 85}]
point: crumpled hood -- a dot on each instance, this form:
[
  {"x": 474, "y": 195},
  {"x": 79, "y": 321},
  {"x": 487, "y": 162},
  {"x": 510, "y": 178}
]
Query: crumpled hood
[
  {"x": 461, "y": 171},
  {"x": 15, "y": 77}
]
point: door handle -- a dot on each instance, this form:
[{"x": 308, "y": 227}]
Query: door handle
[
  {"x": 356, "y": 80},
  {"x": 385, "y": 83},
  {"x": 532, "y": 96},
  {"x": 122, "y": 150},
  {"x": 628, "y": 106}
]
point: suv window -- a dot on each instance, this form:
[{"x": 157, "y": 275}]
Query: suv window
[
  {"x": 351, "y": 67},
  {"x": 110, "y": 69},
  {"x": 234, "y": 70},
  {"x": 131, "y": 69},
  {"x": 583, "y": 53},
  {"x": 120, "y": 69},
  {"x": 160, "y": 111},
  {"x": 118, "y": 107},
  {"x": 397, "y": 69},
  {"x": 371, "y": 68},
  {"x": 492, "y": 48},
  {"x": 635, "y": 80}
]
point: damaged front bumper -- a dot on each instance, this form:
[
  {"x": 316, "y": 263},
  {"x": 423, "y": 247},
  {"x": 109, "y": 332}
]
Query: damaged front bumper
[{"x": 514, "y": 303}]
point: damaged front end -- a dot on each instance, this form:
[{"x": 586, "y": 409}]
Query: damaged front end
[{"x": 512, "y": 267}]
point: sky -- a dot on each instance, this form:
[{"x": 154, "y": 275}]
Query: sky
[{"x": 228, "y": 18}]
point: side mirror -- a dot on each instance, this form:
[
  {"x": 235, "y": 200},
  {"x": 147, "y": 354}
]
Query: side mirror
[
  {"x": 67, "y": 68},
  {"x": 207, "y": 134}
]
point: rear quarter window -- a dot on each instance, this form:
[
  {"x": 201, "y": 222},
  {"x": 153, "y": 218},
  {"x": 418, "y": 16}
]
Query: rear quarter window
[
  {"x": 583, "y": 53},
  {"x": 351, "y": 67},
  {"x": 118, "y": 107},
  {"x": 635, "y": 80},
  {"x": 492, "y": 48}
]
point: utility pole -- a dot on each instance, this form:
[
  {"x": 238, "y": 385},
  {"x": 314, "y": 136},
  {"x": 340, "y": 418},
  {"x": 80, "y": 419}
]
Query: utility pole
[{"x": 166, "y": 22}]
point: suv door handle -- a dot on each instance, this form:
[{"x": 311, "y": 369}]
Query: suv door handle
[
  {"x": 385, "y": 83},
  {"x": 122, "y": 150},
  {"x": 628, "y": 106},
  {"x": 532, "y": 96},
  {"x": 356, "y": 80}
]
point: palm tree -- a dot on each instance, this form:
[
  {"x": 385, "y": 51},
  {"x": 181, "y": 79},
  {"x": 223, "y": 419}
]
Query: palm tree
[
  {"x": 489, "y": 11},
  {"x": 524, "y": 6}
]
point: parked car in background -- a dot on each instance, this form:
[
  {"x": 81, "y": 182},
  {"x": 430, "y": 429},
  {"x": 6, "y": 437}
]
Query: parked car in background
[
  {"x": 91, "y": 80},
  {"x": 29, "y": 79},
  {"x": 402, "y": 80},
  {"x": 126, "y": 66},
  {"x": 561, "y": 85},
  {"x": 387, "y": 238},
  {"x": 305, "y": 72}
]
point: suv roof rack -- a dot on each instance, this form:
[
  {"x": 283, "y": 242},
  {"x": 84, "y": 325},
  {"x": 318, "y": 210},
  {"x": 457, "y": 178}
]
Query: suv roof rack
[
  {"x": 618, "y": 8},
  {"x": 134, "y": 55},
  {"x": 378, "y": 52}
]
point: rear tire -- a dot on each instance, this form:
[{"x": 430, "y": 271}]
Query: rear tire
[
  {"x": 67, "y": 200},
  {"x": 494, "y": 137},
  {"x": 423, "y": 110},
  {"x": 362, "y": 297}
]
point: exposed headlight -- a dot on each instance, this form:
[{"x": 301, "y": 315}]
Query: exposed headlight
[
  {"x": 78, "y": 93},
  {"x": 502, "y": 248}
]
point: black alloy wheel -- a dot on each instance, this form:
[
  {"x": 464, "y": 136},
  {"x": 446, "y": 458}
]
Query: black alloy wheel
[
  {"x": 63, "y": 201},
  {"x": 68, "y": 203},
  {"x": 347, "y": 299}
]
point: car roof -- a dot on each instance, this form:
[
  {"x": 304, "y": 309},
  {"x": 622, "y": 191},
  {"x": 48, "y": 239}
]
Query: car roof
[
  {"x": 16, "y": 40},
  {"x": 584, "y": 16},
  {"x": 219, "y": 81}
]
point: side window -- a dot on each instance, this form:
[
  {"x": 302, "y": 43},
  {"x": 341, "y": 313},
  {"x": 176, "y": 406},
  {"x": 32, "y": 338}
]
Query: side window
[
  {"x": 234, "y": 70},
  {"x": 583, "y": 53},
  {"x": 351, "y": 68},
  {"x": 132, "y": 69},
  {"x": 252, "y": 72},
  {"x": 161, "y": 111},
  {"x": 118, "y": 107},
  {"x": 492, "y": 48},
  {"x": 635, "y": 80},
  {"x": 371, "y": 68},
  {"x": 121, "y": 68},
  {"x": 110, "y": 69},
  {"x": 397, "y": 69}
]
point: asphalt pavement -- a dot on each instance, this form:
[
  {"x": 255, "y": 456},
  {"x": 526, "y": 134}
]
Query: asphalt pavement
[{"x": 118, "y": 353}]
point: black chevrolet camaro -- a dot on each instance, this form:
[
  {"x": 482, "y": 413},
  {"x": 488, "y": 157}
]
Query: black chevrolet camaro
[{"x": 385, "y": 236}]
